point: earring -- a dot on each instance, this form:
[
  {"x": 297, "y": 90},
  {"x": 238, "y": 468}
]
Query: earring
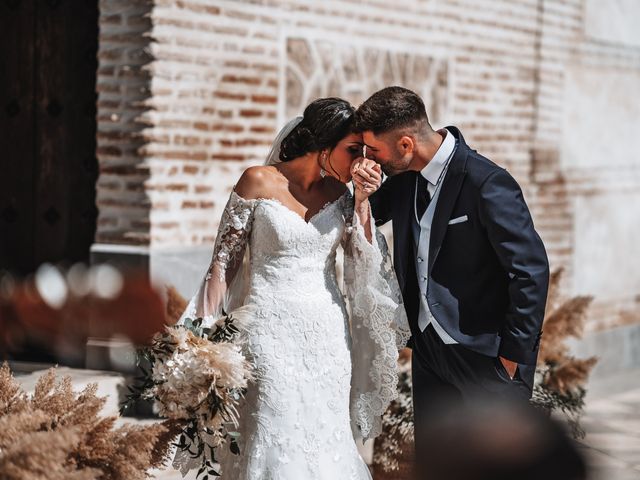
[{"x": 323, "y": 161}]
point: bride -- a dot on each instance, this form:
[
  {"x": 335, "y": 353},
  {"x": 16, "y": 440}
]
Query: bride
[{"x": 324, "y": 360}]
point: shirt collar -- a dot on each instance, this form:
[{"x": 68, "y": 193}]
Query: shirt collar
[{"x": 434, "y": 168}]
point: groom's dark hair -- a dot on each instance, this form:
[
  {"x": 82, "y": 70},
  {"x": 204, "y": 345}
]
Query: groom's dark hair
[{"x": 389, "y": 109}]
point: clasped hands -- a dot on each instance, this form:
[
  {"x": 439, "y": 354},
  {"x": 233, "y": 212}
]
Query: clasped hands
[{"x": 367, "y": 177}]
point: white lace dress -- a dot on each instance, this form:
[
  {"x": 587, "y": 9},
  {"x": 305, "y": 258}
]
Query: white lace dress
[{"x": 325, "y": 368}]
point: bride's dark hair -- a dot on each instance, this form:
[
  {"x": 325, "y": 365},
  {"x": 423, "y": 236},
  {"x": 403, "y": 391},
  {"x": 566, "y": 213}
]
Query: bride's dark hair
[{"x": 324, "y": 123}]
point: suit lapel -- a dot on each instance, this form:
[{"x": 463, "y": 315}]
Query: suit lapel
[{"x": 450, "y": 189}]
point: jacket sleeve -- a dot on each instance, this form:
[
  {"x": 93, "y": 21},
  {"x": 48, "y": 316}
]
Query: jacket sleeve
[
  {"x": 510, "y": 230},
  {"x": 381, "y": 202}
]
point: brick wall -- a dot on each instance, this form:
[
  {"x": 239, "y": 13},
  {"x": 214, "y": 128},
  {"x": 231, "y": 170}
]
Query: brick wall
[
  {"x": 191, "y": 92},
  {"x": 123, "y": 86}
]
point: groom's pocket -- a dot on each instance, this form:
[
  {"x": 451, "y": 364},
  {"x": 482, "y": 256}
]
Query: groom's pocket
[{"x": 456, "y": 220}]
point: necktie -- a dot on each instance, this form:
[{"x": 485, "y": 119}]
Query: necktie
[{"x": 422, "y": 197}]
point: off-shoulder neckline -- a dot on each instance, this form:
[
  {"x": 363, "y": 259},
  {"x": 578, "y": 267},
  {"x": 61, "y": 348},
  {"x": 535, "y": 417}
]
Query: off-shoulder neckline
[{"x": 293, "y": 212}]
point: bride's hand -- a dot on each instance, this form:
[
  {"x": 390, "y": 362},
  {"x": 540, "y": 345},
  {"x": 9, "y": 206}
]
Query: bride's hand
[{"x": 367, "y": 177}]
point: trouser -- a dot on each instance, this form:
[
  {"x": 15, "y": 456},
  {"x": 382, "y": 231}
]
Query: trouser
[{"x": 445, "y": 375}]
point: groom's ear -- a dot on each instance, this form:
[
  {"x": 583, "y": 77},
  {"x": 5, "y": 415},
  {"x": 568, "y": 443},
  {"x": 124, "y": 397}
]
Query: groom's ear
[{"x": 406, "y": 144}]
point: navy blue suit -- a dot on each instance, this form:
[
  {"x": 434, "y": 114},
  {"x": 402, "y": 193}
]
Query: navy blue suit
[{"x": 488, "y": 276}]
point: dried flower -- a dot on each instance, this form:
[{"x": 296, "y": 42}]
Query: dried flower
[
  {"x": 58, "y": 434},
  {"x": 560, "y": 377},
  {"x": 197, "y": 377}
]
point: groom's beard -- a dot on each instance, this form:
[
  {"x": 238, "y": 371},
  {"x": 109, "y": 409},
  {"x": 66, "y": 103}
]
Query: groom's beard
[
  {"x": 388, "y": 170},
  {"x": 397, "y": 165}
]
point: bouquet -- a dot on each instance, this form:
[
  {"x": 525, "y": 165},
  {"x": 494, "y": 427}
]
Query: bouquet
[{"x": 197, "y": 377}]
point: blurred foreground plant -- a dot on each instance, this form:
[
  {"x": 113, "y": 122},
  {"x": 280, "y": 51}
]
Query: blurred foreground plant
[
  {"x": 561, "y": 377},
  {"x": 57, "y": 434},
  {"x": 57, "y": 310}
]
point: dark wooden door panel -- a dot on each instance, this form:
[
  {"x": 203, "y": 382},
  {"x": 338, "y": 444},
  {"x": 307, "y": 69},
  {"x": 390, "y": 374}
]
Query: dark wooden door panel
[
  {"x": 17, "y": 134},
  {"x": 59, "y": 210}
]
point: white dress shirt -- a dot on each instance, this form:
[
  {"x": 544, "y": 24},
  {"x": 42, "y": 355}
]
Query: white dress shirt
[{"x": 434, "y": 172}]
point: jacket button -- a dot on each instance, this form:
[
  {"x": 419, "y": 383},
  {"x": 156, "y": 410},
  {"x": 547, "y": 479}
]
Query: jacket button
[{"x": 420, "y": 260}]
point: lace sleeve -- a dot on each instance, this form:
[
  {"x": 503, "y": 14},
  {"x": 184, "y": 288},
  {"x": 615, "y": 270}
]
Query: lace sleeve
[
  {"x": 222, "y": 282},
  {"x": 379, "y": 326}
]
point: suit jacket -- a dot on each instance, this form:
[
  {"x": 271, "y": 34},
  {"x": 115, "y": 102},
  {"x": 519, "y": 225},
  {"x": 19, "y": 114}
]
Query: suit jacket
[{"x": 488, "y": 275}]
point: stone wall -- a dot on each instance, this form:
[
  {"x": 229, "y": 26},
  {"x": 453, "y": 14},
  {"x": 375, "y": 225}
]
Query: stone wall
[{"x": 192, "y": 92}]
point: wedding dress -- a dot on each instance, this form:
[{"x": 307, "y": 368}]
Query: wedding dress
[
  {"x": 325, "y": 368},
  {"x": 324, "y": 359}
]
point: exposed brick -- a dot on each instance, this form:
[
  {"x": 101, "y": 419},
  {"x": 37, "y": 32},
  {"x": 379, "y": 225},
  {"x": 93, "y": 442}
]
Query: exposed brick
[
  {"x": 190, "y": 169},
  {"x": 264, "y": 99},
  {"x": 250, "y": 113},
  {"x": 111, "y": 19},
  {"x": 167, "y": 225},
  {"x": 176, "y": 187},
  {"x": 111, "y": 54},
  {"x": 229, "y": 95},
  {"x": 222, "y": 156},
  {"x": 241, "y": 79},
  {"x": 261, "y": 129},
  {"x": 235, "y": 128},
  {"x": 207, "y": 91},
  {"x": 203, "y": 189},
  {"x": 109, "y": 150},
  {"x": 124, "y": 169}
]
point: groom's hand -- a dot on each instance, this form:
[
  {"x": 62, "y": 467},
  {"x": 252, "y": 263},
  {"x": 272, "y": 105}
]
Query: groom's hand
[
  {"x": 367, "y": 175},
  {"x": 509, "y": 366}
]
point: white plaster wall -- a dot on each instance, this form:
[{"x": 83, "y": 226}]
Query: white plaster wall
[
  {"x": 613, "y": 21},
  {"x": 607, "y": 257},
  {"x": 601, "y": 118}
]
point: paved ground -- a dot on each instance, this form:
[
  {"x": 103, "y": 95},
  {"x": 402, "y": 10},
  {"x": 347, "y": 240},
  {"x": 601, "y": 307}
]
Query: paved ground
[
  {"x": 612, "y": 423},
  {"x": 611, "y": 420}
]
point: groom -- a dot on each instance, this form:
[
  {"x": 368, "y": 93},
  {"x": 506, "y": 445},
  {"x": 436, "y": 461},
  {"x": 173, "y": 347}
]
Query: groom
[{"x": 472, "y": 269}]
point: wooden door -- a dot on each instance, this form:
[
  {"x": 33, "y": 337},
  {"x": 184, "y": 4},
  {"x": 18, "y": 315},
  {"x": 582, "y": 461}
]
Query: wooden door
[{"x": 48, "y": 167}]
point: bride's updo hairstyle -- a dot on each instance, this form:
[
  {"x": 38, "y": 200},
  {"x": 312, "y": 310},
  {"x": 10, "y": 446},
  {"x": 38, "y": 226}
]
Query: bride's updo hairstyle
[{"x": 324, "y": 123}]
